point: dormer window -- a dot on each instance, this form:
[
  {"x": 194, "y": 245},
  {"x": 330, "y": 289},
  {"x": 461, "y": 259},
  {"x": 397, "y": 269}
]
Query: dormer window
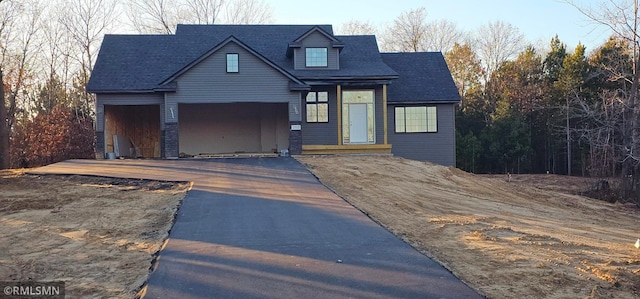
[
  {"x": 232, "y": 62},
  {"x": 316, "y": 57}
]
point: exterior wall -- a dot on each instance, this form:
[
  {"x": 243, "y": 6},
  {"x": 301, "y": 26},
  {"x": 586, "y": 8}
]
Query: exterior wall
[
  {"x": 256, "y": 82},
  {"x": 321, "y": 133},
  {"x": 316, "y": 40},
  {"x": 437, "y": 147}
]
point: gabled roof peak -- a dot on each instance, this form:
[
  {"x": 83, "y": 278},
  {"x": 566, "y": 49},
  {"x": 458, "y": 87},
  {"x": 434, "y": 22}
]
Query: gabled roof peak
[
  {"x": 231, "y": 39},
  {"x": 297, "y": 43},
  {"x": 317, "y": 28}
]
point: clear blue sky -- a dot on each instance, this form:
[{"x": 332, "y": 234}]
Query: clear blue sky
[{"x": 538, "y": 20}]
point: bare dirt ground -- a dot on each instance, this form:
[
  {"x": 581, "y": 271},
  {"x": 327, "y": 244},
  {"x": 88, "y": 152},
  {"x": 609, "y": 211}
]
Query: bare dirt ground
[
  {"x": 99, "y": 235},
  {"x": 552, "y": 182},
  {"x": 507, "y": 240}
]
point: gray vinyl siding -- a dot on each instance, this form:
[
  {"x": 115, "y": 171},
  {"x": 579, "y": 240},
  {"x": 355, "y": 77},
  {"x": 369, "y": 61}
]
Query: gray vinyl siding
[
  {"x": 126, "y": 99},
  {"x": 316, "y": 40},
  {"x": 256, "y": 81},
  {"x": 321, "y": 133},
  {"x": 437, "y": 147}
]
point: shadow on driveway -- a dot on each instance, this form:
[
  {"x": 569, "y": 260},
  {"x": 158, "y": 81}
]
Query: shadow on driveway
[{"x": 267, "y": 228}]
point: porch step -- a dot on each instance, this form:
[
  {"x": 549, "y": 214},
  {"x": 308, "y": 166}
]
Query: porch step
[{"x": 346, "y": 149}]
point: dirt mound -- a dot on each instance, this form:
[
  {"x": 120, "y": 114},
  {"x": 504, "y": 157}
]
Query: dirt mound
[{"x": 505, "y": 239}]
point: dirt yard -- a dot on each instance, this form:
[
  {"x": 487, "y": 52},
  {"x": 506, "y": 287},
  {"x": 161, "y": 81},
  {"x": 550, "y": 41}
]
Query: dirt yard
[
  {"x": 99, "y": 235},
  {"x": 505, "y": 239}
]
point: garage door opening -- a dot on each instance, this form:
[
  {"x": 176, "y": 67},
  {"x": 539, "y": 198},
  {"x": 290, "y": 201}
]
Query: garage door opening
[
  {"x": 233, "y": 128},
  {"x": 139, "y": 124}
]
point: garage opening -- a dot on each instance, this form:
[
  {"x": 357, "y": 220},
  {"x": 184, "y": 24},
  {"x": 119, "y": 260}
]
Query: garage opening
[
  {"x": 136, "y": 129},
  {"x": 233, "y": 128}
]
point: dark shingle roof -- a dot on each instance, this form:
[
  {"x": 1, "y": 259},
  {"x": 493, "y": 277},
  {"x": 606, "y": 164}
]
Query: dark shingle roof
[
  {"x": 132, "y": 63},
  {"x": 424, "y": 77}
]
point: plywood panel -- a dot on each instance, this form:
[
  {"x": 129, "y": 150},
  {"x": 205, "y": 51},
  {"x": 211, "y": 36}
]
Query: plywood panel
[{"x": 140, "y": 123}]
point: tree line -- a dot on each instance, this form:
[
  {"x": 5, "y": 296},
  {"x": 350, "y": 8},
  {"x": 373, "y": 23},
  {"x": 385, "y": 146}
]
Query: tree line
[{"x": 538, "y": 110}]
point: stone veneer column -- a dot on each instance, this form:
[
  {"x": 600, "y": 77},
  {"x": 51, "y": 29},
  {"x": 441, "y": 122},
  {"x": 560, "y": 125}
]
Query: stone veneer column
[
  {"x": 171, "y": 140},
  {"x": 99, "y": 147},
  {"x": 162, "y": 149},
  {"x": 295, "y": 139}
]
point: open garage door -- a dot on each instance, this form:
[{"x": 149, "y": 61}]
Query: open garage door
[
  {"x": 233, "y": 128},
  {"x": 138, "y": 125}
]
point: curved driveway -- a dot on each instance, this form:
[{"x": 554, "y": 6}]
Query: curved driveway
[{"x": 267, "y": 228}]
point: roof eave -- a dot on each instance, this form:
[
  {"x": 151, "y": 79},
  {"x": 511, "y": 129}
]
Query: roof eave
[
  {"x": 298, "y": 87},
  {"x": 111, "y": 91},
  {"x": 391, "y": 77},
  {"x": 440, "y": 101}
]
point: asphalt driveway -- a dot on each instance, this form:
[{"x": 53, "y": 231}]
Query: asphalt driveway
[{"x": 267, "y": 228}]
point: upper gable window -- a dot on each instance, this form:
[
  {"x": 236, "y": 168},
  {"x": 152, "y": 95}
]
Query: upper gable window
[
  {"x": 232, "y": 63},
  {"x": 316, "y": 57}
]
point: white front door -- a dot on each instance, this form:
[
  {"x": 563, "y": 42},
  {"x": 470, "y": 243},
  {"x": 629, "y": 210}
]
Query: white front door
[{"x": 358, "y": 123}]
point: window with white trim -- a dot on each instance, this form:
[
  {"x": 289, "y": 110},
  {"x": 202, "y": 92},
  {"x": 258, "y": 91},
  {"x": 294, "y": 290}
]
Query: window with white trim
[
  {"x": 416, "y": 119},
  {"x": 317, "y": 107},
  {"x": 232, "y": 63},
  {"x": 316, "y": 57}
]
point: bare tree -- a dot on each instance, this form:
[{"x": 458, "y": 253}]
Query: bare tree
[
  {"x": 441, "y": 35},
  {"x": 58, "y": 48},
  {"x": 496, "y": 43},
  {"x": 87, "y": 21},
  {"x": 599, "y": 127},
  {"x": 355, "y": 27},
  {"x": 19, "y": 62},
  {"x": 622, "y": 17},
  {"x": 8, "y": 13},
  {"x": 5, "y": 158},
  {"x": 203, "y": 11},
  {"x": 162, "y": 16},
  {"x": 407, "y": 33},
  {"x": 248, "y": 12},
  {"x": 154, "y": 16},
  {"x": 19, "y": 25}
]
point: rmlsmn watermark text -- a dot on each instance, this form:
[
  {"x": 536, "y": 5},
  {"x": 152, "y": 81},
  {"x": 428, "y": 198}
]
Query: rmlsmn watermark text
[{"x": 32, "y": 289}]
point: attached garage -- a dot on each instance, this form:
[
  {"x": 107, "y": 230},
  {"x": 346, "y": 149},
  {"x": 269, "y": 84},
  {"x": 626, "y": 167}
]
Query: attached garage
[
  {"x": 233, "y": 128},
  {"x": 139, "y": 125}
]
